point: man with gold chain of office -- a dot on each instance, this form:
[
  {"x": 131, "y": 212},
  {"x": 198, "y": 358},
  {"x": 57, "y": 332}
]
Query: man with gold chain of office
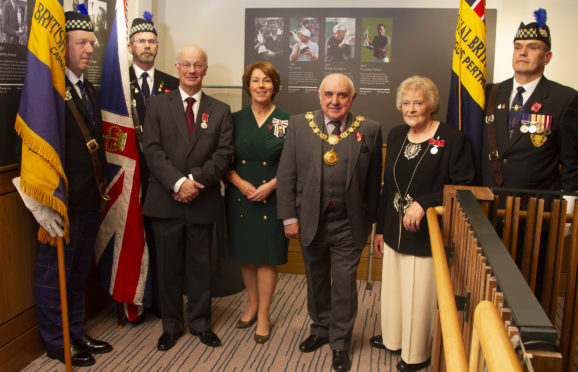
[{"x": 327, "y": 190}]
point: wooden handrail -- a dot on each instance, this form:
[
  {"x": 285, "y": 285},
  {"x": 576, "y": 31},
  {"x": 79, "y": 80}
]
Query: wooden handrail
[
  {"x": 454, "y": 349},
  {"x": 489, "y": 332}
]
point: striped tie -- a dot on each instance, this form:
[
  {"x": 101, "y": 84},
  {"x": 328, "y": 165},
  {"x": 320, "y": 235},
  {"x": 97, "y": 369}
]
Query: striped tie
[{"x": 190, "y": 115}]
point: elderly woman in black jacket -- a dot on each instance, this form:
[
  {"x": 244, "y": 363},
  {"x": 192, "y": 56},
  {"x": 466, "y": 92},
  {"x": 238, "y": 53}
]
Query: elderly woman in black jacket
[{"x": 422, "y": 156}]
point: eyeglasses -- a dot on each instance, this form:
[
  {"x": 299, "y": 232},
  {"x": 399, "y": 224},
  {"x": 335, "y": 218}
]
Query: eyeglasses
[
  {"x": 198, "y": 66},
  {"x": 144, "y": 41}
]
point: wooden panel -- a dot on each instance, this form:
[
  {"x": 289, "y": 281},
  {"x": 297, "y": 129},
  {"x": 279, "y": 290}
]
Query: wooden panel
[
  {"x": 20, "y": 323},
  {"x": 16, "y": 257},
  {"x": 21, "y": 351}
]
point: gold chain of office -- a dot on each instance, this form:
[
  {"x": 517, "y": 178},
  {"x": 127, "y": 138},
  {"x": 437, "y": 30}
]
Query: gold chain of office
[{"x": 330, "y": 157}]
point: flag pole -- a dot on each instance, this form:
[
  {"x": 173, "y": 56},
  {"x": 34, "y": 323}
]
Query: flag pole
[{"x": 64, "y": 303}]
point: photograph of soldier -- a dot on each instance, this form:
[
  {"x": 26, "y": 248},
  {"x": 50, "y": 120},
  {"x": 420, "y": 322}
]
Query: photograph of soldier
[
  {"x": 378, "y": 47},
  {"x": 340, "y": 45}
]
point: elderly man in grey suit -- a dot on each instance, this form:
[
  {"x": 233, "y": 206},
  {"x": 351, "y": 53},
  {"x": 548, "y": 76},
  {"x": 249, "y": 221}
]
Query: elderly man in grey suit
[
  {"x": 188, "y": 146},
  {"x": 327, "y": 189}
]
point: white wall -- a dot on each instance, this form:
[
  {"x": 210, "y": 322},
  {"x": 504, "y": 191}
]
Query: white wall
[{"x": 218, "y": 27}]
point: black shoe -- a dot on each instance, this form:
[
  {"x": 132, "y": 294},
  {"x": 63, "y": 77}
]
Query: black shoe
[
  {"x": 405, "y": 367},
  {"x": 261, "y": 339},
  {"x": 242, "y": 324},
  {"x": 377, "y": 342},
  {"x": 312, "y": 343},
  {"x": 78, "y": 358},
  {"x": 208, "y": 338},
  {"x": 341, "y": 360},
  {"x": 167, "y": 341},
  {"x": 92, "y": 346}
]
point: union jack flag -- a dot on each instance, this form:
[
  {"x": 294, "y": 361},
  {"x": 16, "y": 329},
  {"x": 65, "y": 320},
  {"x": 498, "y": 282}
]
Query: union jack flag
[{"x": 121, "y": 250}]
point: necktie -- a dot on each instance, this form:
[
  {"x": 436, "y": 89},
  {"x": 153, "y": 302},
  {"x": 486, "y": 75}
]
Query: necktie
[
  {"x": 146, "y": 90},
  {"x": 336, "y": 127},
  {"x": 190, "y": 115},
  {"x": 86, "y": 101},
  {"x": 515, "y": 113}
]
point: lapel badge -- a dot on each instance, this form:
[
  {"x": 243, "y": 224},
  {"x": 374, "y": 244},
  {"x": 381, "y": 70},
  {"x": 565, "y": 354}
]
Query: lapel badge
[
  {"x": 205, "y": 118},
  {"x": 358, "y": 136},
  {"x": 536, "y": 106},
  {"x": 67, "y": 94},
  {"x": 161, "y": 89},
  {"x": 501, "y": 106}
]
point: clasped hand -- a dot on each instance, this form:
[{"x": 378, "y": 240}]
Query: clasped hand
[
  {"x": 255, "y": 194},
  {"x": 188, "y": 191}
]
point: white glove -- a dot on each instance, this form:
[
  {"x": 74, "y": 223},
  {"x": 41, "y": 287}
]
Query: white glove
[
  {"x": 46, "y": 217},
  {"x": 569, "y": 210}
]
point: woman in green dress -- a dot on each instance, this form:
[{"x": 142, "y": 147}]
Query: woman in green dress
[{"x": 256, "y": 236}]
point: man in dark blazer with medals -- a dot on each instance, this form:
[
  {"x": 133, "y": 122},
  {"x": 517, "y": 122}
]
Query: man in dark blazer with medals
[
  {"x": 537, "y": 134},
  {"x": 146, "y": 81},
  {"x": 188, "y": 145},
  {"x": 84, "y": 168},
  {"x": 327, "y": 188},
  {"x": 531, "y": 135}
]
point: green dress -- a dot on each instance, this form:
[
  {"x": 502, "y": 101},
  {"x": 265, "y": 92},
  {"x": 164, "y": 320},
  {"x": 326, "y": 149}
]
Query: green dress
[{"x": 256, "y": 236}]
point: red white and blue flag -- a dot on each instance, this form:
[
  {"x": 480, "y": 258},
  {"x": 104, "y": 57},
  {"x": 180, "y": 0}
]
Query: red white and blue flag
[
  {"x": 467, "y": 90},
  {"x": 120, "y": 250}
]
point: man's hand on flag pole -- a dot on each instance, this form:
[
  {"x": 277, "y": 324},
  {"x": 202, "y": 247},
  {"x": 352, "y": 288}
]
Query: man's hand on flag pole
[{"x": 51, "y": 221}]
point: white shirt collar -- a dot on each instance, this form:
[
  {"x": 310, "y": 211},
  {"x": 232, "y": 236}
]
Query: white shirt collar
[
  {"x": 528, "y": 89},
  {"x": 196, "y": 96},
  {"x": 72, "y": 76},
  {"x": 138, "y": 72}
]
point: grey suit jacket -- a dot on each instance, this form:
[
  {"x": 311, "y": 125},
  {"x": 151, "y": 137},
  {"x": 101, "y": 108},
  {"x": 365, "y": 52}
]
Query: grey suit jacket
[
  {"x": 300, "y": 171},
  {"x": 171, "y": 155}
]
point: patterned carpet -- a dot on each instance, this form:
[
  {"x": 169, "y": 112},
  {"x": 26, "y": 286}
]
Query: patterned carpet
[{"x": 135, "y": 347}]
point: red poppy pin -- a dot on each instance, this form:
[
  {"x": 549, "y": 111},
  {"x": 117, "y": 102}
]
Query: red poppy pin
[
  {"x": 536, "y": 107},
  {"x": 358, "y": 136},
  {"x": 269, "y": 127}
]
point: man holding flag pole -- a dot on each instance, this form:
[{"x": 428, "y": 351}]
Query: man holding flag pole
[{"x": 62, "y": 176}]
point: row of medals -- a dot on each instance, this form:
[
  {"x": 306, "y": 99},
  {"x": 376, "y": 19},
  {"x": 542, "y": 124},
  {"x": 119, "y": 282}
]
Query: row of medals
[{"x": 533, "y": 127}]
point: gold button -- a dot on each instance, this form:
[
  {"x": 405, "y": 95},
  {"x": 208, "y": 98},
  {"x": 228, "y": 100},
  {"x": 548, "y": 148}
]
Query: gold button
[
  {"x": 238, "y": 200},
  {"x": 265, "y": 218},
  {"x": 243, "y": 162},
  {"x": 264, "y": 201},
  {"x": 505, "y": 160},
  {"x": 242, "y": 215},
  {"x": 264, "y": 163},
  {"x": 264, "y": 181}
]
